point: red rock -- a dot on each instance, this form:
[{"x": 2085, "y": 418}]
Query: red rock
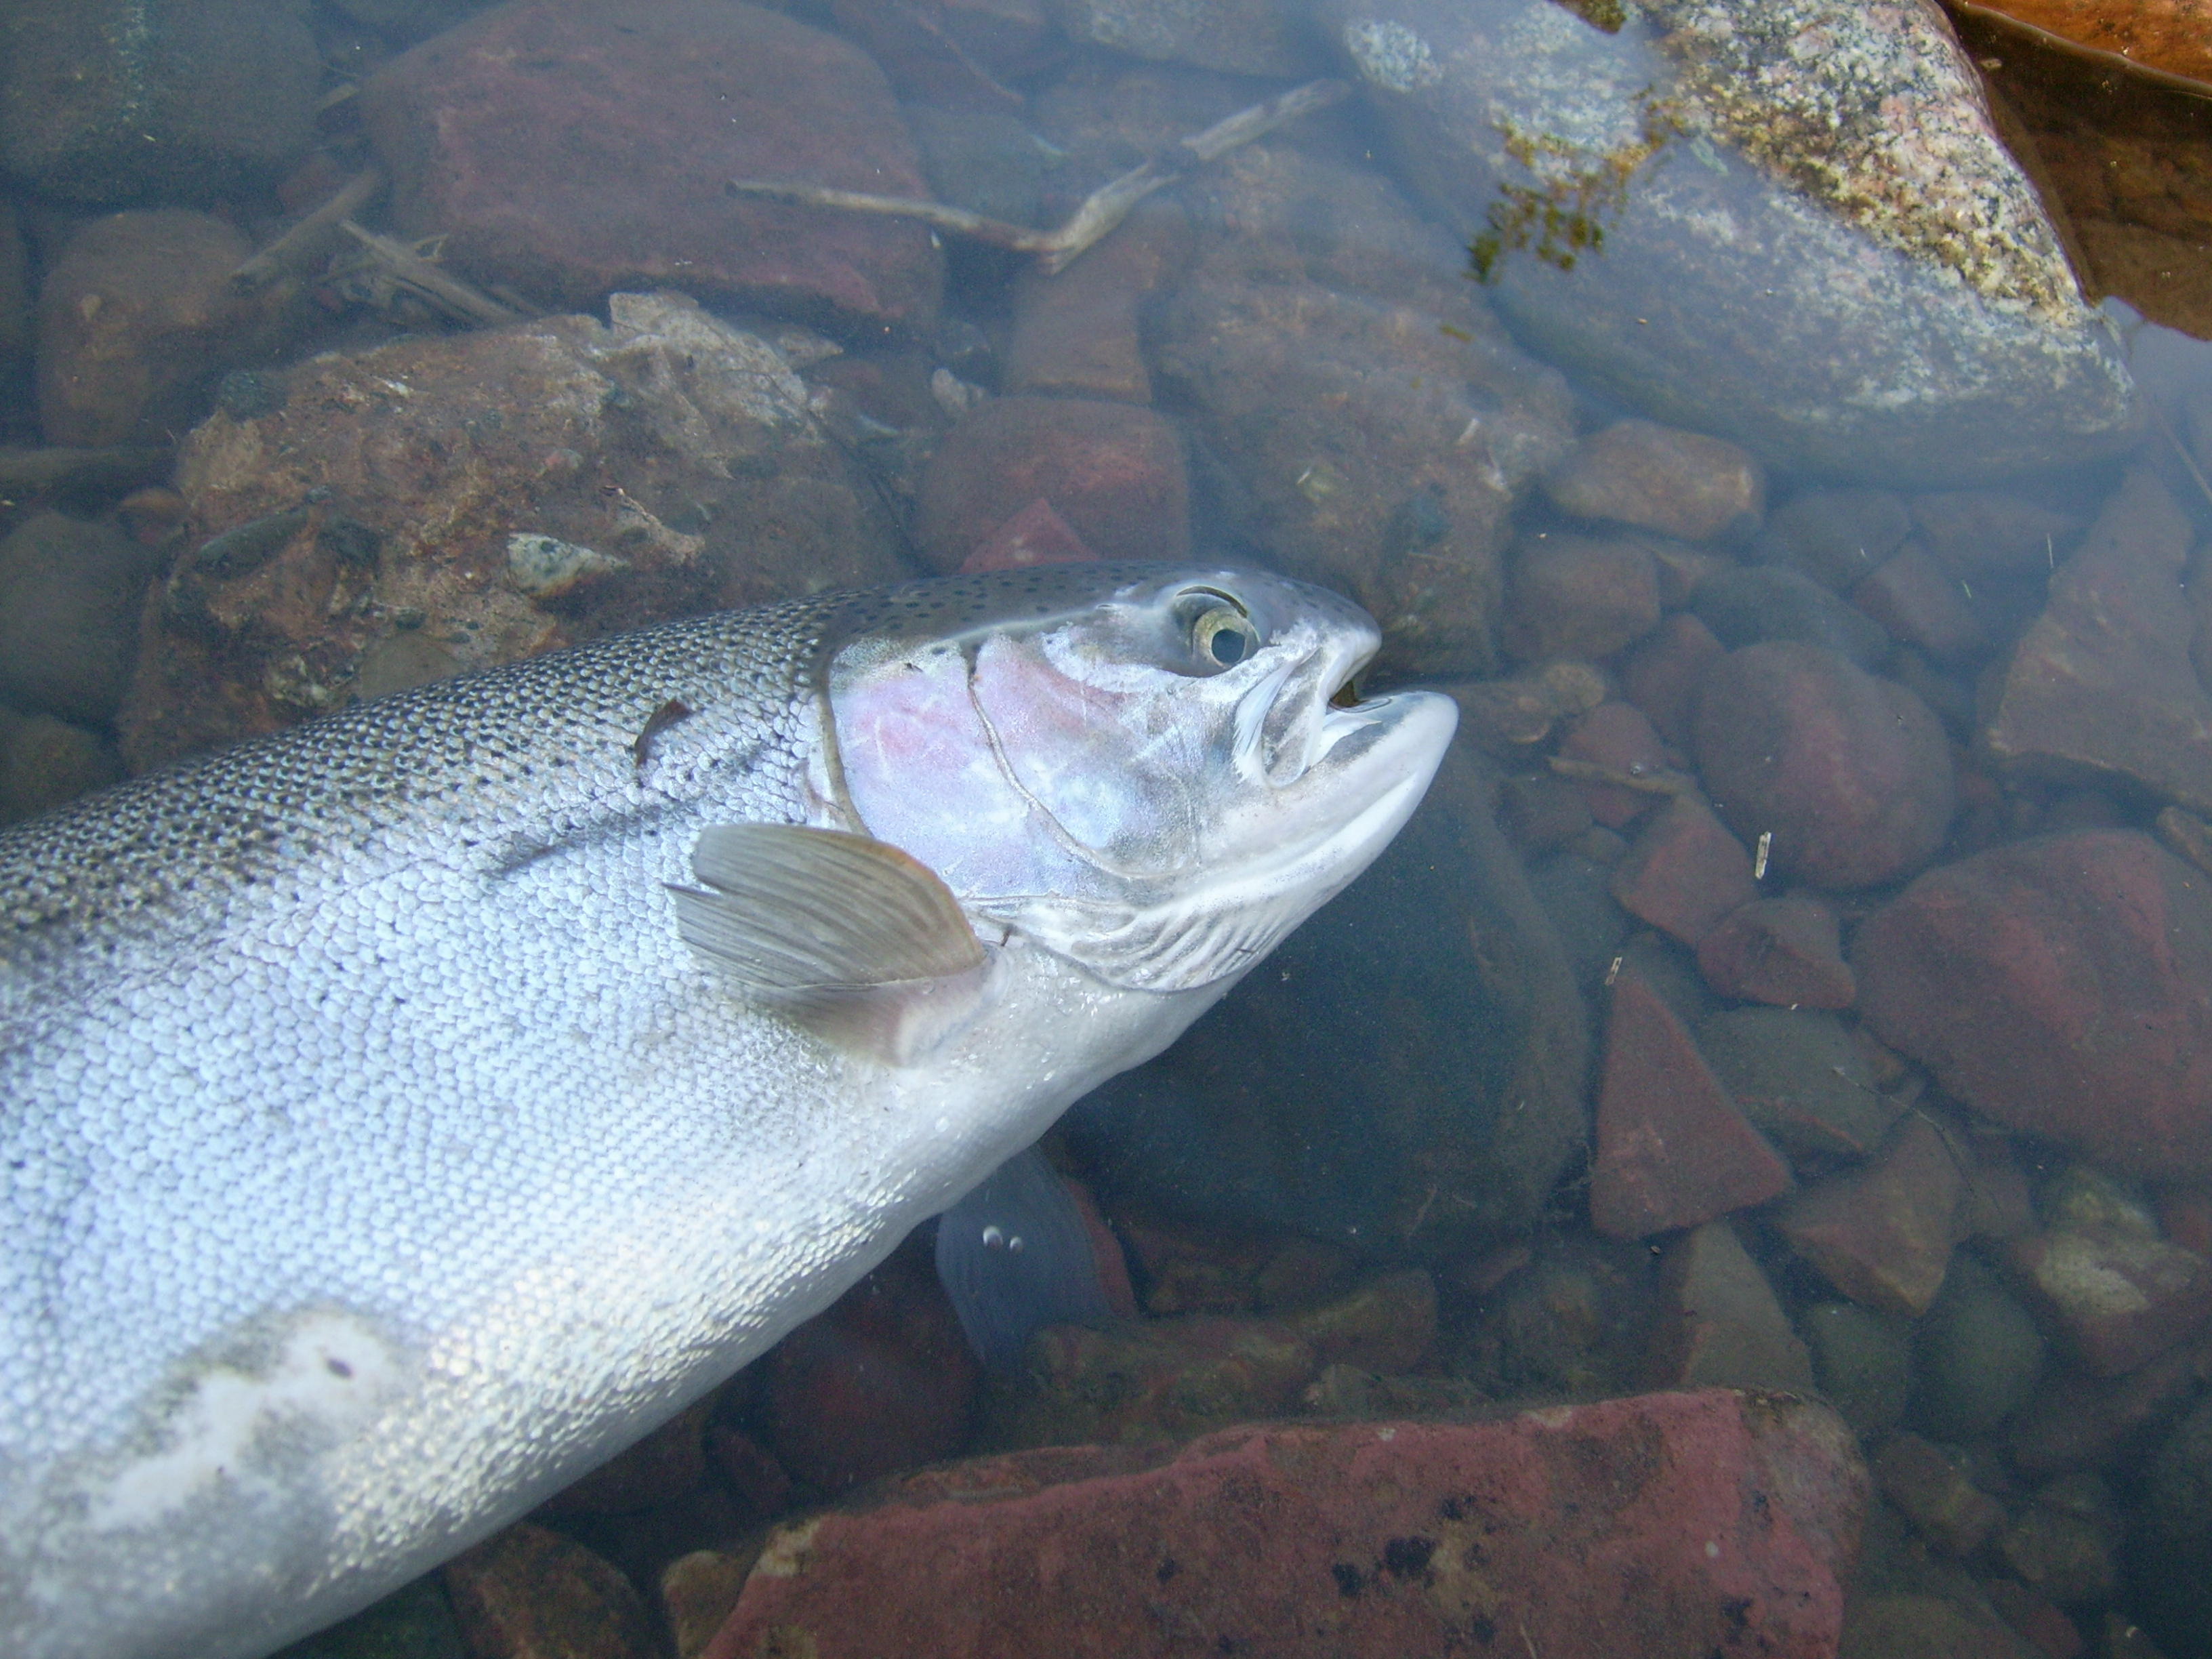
[
  {"x": 1105, "y": 1251},
  {"x": 1685, "y": 873},
  {"x": 2102, "y": 683},
  {"x": 1850, "y": 774},
  {"x": 1882, "y": 1233},
  {"x": 1672, "y": 1149},
  {"x": 135, "y": 317},
  {"x": 1785, "y": 951},
  {"x": 1914, "y": 599},
  {"x": 916, "y": 49},
  {"x": 1661, "y": 674},
  {"x": 2062, "y": 986},
  {"x": 1718, "y": 1323},
  {"x": 1680, "y": 1525},
  {"x": 569, "y": 150},
  {"x": 528, "y": 1593},
  {"x": 660, "y": 1468},
  {"x": 1036, "y": 535},
  {"x": 1656, "y": 477},
  {"x": 1113, "y": 472},
  {"x": 2117, "y": 1299},
  {"x": 883, "y": 1380},
  {"x": 1616, "y": 735},
  {"x": 1954, "y": 1514},
  {"x": 1075, "y": 333},
  {"x": 1571, "y": 596},
  {"x": 755, "y": 1479}
]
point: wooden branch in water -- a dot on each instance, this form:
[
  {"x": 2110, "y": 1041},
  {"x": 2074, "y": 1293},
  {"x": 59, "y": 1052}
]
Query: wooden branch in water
[
  {"x": 442, "y": 289},
  {"x": 309, "y": 241},
  {"x": 1645, "y": 783},
  {"x": 1100, "y": 212}
]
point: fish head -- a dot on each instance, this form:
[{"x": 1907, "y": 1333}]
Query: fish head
[{"x": 1155, "y": 771}]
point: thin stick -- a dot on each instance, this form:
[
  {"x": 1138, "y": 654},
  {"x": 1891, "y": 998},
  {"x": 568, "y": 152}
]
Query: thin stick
[
  {"x": 310, "y": 239},
  {"x": 448, "y": 293},
  {"x": 1100, "y": 212}
]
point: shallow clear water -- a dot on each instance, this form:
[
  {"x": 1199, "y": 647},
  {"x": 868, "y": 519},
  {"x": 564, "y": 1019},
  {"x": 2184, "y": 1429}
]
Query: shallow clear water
[{"x": 1784, "y": 428}]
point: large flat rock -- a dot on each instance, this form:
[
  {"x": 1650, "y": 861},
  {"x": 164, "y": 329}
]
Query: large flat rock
[{"x": 1674, "y": 1526}]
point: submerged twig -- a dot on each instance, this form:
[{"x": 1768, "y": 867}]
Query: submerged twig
[
  {"x": 419, "y": 276},
  {"x": 310, "y": 239},
  {"x": 1100, "y": 212},
  {"x": 1648, "y": 783}
]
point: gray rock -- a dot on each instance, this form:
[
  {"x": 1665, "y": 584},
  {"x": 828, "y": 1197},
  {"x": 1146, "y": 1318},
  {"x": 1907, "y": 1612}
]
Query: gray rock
[
  {"x": 70, "y": 596},
  {"x": 2169, "y": 1563},
  {"x": 1576, "y": 896},
  {"x": 1752, "y": 603},
  {"x": 1406, "y": 1074},
  {"x": 1798, "y": 1076},
  {"x": 1381, "y": 426},
  {"x": 1863, "y": 1361},
  {"x": 117, "y": 100},
  {"x": 1717, "y": 213},
  {"x": 1242, "y": 37},
  {"x": 1841, "y": 537},
  {"x": 1980, "y": 1354}
]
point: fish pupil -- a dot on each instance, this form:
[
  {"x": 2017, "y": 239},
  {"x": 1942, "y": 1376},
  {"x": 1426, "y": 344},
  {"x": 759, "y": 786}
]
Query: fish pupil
[{"x": 1228, "y": 647}]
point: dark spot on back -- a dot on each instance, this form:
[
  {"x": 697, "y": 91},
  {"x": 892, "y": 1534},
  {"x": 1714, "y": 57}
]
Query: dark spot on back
[
  {"x": 1167, "y": 1569},
  {"x": 1349, "y": 1580}
]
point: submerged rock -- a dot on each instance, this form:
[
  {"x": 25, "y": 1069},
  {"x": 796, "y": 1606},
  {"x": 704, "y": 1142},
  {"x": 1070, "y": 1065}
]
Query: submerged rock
[
  {"x": 358, "y": 536},
  {"x": 569, "y": 151},
  {"x": 1704, "y": 1523},
  {"x": 1788, "y": 225},
  {"x": 1405, "y": 1073},
  {"x": 2062, "y": 986},
  {"x": 1380, "y": 428},
  {"x": 116, "y": 101}
]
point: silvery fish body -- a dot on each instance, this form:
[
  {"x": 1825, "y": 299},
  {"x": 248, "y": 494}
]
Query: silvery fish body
[{"x": 383, "y": 1142}]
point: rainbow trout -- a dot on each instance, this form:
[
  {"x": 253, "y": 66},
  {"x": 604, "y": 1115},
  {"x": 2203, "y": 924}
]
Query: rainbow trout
[{"x": 401, "y": 1115}]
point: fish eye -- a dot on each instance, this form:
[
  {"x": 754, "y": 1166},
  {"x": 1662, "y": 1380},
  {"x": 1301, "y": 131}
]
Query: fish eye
[{"x": 1221, "y": 635}]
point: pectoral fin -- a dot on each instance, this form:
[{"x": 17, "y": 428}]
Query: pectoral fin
[
  {"x": 848, "y": 937},
  {"x": 1014, "y": 1256}
]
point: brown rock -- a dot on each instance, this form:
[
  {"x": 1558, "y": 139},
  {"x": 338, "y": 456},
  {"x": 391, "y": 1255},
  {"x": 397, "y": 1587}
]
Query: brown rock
[
  {"x": 1718, "y": 1323},
  {"x": 1672, "y": 1149},
  {"x": 2078, "y": 1422},
  {"x": 1657, "y": 477},
  {"x": 569, "y": 151},
  {"x": 1616, "y": 736},
  {"x": 2102, "y": 685},
  {"x": 2062, "y": 986},
  {"x": 1901, "y": 1625},
  {"x": 1841, "y": 537},
  {"x": 360, "y": 537},
  {"x": 45, "y": 761},
  {"x": 1075, "y": 334},
  {"x": 1571, "y": 596},
  {"x": 2117, "y": 1299},
  {"x": 882, "y": 1380},
  {"x": 1661, "y": 674},
  {"x": 136, "y": 317},
  {"x": 1699, "y": 1521},
  {"x": 1542, "y": 811},
  {"x": 1850, "y": 774},
  {"x": 1882, "y": 1235},
  {"x": 1113, "y": 472},
  {"x": 2052, "y": 1632},
  {"x": 1972, "y": 532},
  {"x": 697, "y": 1593},
  {"x": 1912, "y": 598},
  {"x": 1684, "y": 873},
  {"x": 1163, "y": 1380},
  {"x": 1954, "y": 1514},
  {"x": 1386, "y": 1325},
  {"x": 658, "y": 1469},
  {"x": 1785, "y": 951},
  {"x": 528, "y": 1593}
]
